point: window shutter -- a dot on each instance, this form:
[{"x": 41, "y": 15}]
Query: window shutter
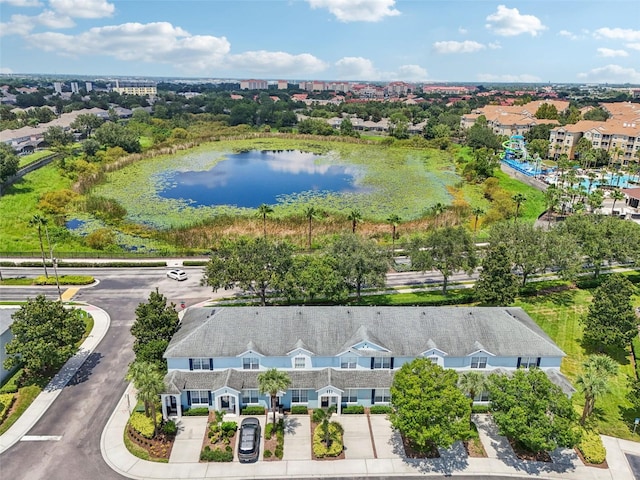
[
  {"x": 210, "y": 398},
  {"x": 391, "y": 363},
  {"x": 519, "y": 362},
  {"x": 190, "y": 364},
  {"x": 211, "y": 364},
  {"x": 372, "y": 360},
  {"x": 538, "y": 362},
  {"x": 373, "y": 396},
  {"x": 188, "y": 398}
]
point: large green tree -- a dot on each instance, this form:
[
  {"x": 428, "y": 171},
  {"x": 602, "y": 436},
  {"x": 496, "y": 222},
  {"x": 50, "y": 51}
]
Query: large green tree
[
  {"x": 497, "y": 285},
  {"x": 45, "y": 336},
  {"x": 530, "y": 409},
  {"x": 313, "y": 277},
  {"x": 611, "y": 321},
  {"x": 8, "y": 161},
  {"x": 255, "y": 265},
  {"x": 156, "y": 322},
  {"x": 87, "y": 122},
  {"x": 272, "y": 382},
  {"x": 360, "y": 262},
  {"x": 428, "y": 407},
  {"x": 448, "y": 250},
  {"x": 111, "y": 134}
]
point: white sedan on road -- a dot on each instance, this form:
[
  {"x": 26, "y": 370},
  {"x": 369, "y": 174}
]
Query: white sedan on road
[{"x": 177, "y": 275}]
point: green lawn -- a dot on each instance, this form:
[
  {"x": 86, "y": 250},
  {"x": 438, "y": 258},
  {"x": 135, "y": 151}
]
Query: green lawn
[
  {"x": 34, "y": 157},
  {"x": 558, "y": 314}
]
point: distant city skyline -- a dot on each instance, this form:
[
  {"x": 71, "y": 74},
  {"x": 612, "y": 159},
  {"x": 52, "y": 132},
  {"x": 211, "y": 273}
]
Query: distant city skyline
[{"x": 357, "y": 40}]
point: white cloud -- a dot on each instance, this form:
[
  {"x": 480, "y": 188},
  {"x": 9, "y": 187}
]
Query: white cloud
[
  {"x": 83, "y": 8},
  {"x": 275, "y": 63},
  {"x": 609, "y": 52},
  {"x": 568, "y": 34},
  {"x": 525, "y": 77},
  {"x": 358, "y": 10},
  {"x": 5, "y": 70},
  {"x": 412, "y": 73},
  {"x": 462, "y": 31},
  {"x": 468, "y": 46},
  {"x": 356, "y": 68},
  {"x": 625, "y": 34},
  {"x": 51, "y": 19},
  {"x": 633, "y": 46},
  {"x": 494, "y": 45},
  {"x": 18, "y": 25},
  {"x": 611, "y": 74},
  {"x": 158, "y": 42},
  {"x": 22, "y": 3},
  {"x": 509, "y": 22}
]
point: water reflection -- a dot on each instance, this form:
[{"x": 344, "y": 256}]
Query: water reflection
[{"x": 249, "y": 179}]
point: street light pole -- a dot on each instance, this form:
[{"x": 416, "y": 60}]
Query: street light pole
[{"x": 54, "y": 262}]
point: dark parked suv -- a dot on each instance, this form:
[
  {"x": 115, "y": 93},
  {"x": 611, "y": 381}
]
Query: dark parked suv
[{"x": 249, "y": 443}]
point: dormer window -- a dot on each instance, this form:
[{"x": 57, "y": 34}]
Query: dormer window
[
  {"x": 300, "y": 362},
  {"x": 250, "y": 363},
  {"x": 478, "y": 362},
  {"x": 348, "y": 362},
  {"x": 380, "y": 362}
]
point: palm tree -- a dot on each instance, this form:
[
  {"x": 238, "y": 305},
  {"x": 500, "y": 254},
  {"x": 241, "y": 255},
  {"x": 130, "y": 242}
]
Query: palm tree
[
  {"x": 472, "y": 383},
  {"x": 149, "y": 383},
  {"x": 519, "y": 198},
  {"x": 323, "y": 417},
  {"x": 437, "y": 210},
  {"x": 310, "y": 213},
  {"x": 592, "y": 177},
  {"x": 593, "y": 381},
  {"x": 476, "y": 212},
  {"x": 394, "y": 221},
  {"x": 39, "y": 221},
  {"x": 355, "y": 216},
  {"x": 616, "y": 195},
  {"x": 271, "y": 382},
  {"x": 263, "y": 211}
]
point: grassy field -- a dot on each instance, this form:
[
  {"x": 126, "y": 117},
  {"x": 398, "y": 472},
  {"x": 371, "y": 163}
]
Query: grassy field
[
  {"x": 34, "y": 157},
  {"x": 558, "y": 314}
]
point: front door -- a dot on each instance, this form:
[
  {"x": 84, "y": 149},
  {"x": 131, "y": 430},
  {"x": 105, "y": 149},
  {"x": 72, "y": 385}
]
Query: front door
[
  {"x": 228, "y": 403},
  {"x": 327, "y": 401}
]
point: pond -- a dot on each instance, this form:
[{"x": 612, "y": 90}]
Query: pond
[{"x": 249, "y": 179}]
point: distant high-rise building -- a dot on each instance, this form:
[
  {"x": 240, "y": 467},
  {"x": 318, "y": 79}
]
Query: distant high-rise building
[
  {"x": 135, "y": 88},
  {"x": 253, "y": 84},
  {"x": 283, "y": 84},
  {"x": 57, "y": 87},
  {"x": 88, "y": 86},
  {"x": 74, "y": 87}
]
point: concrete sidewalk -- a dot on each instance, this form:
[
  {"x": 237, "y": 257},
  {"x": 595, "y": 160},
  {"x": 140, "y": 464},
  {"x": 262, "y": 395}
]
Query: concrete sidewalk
[{"x": 28, "y": 419}]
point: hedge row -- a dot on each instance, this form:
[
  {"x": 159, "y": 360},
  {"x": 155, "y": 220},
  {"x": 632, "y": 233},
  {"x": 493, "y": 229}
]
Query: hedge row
[
  {"x": 299, "y": 410},
  {"x": 12, "y": 383},
  {"x": 208, "y": 455},
  {"x": 253, "y": 410},
  {"x": 64, "y": 280},
  {"x": 591, "y": 447},
  {"x": 353, "y": 409},
  {"x": 380, "y": 409},
  {"x": 143, "y": 424},
  {"x": 196, "y": 412},
  {"x": 635, "y": 348}
]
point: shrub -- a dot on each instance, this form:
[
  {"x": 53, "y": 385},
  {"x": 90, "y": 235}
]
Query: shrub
[
  {"x": 6, "y": 401},
  {"x": 141, "y": 424},
  {"x": 320, "y": 450},
  {"x": 228, "y": 428},
  {"x": 12, "y": 383},
  {"x": 279, "y": 451},
  {"x": 591, "y": 447},
  {"x": 267, "y": 454},
  {"x": 480, "y": 408},
  {"x": 635, "y": 349},
  {"x": 170, "y": 428},
  {"x": 253, "y": 410},
  {"x": 380, "y": 409},
  {"x": 318, "y": 415},
  {"x": 208, "y": 455},
  {"x": 65, "y": 280},
  {"x": 299, "y": 410},
  {"x": 268, "y": 431},
  {"x": 100, "y": 239},
  {"x": 196, "y": 412},
  {"x": 353, "y": 409}
]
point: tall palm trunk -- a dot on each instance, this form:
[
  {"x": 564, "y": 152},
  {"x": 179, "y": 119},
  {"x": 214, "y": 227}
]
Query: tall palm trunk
[{"x": 44, "y": 262}]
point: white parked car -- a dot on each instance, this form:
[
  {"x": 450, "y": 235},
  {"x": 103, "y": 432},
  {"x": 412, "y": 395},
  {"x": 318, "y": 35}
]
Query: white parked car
[{"x": 177, "y": 275}]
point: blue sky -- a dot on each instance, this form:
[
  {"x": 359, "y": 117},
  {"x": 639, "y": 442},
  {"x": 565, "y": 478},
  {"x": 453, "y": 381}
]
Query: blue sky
[{"x": 580, "y": 41}]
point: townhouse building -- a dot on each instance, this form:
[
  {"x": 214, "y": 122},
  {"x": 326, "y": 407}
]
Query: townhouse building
[
  {"x": 340, "y": 355},
  {"x": 135, "y": 87}
]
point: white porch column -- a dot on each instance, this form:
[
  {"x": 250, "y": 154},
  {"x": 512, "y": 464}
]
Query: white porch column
[
  {"x": 179, "y": 405},
  {"x": 163, "y": 402}
]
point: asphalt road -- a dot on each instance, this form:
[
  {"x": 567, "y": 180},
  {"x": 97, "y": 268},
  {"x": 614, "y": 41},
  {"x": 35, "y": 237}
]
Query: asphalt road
[{"x": 81, "y": 411}]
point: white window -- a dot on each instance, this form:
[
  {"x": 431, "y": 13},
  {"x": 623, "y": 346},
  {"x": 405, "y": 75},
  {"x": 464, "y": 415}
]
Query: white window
[
  {"x": 478, "y": 362},
  {"x": 528, "y": 362},
  {"x": 299, "y": 396},
  {"x": 350, "y": 395},
  {"x": 300, "y": 362},
  {"x": 481, "y": 397},
  {"x": 199, "y": 397},
  {"x": 249, "y": 396},
  {"x": 382, "y": 362},
  {"x": 250, "y": 363},
  {"x": 348, "y": 362},
  {"x": 200, "y": 363},
  {"x": 382, "y": 395}
]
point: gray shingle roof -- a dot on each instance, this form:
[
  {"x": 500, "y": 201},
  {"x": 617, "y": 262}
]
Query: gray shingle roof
[{"x": 328, "y": 331}]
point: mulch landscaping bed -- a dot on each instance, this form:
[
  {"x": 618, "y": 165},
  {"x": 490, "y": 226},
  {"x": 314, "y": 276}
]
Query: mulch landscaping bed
[
  {"x": 158, "y": 447},
  {"x": 411, "y": 451},
  {"x": 474, "y": 448},
  {"x": 594, "y": 465},
  {"x": 270, "y": 445},
  {"x": 313, "y": 456},
  {"x": 523, "y": 454},
  {"x": 219, "y": 445}
]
